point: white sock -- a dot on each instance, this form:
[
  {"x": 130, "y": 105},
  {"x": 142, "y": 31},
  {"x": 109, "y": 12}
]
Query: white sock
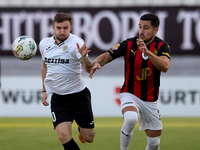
[
  {"x": 153, "y": 143},
  {"x": 125, "y": 140},
  {"x": 130, "y": 119}
]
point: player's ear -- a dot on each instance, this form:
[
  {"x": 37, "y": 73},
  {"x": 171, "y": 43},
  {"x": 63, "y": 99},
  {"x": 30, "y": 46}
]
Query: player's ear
[
  {"x": 53, "y": 27},
  {"x": 71, "y": 27},
  {"x": 155, "y": 30}
]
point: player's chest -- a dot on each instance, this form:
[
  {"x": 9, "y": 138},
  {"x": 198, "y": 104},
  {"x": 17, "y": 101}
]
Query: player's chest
[
  {"x": 55, "y": 51},
  {"x": 139, "y": 59}
]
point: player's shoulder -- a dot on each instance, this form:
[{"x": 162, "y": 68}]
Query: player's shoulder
[
  {"x": 132, "y": 39},
  {"x": 75, "y": 38},
  {"x": 164, "y": 47},
  {"x": 46, "y": 40},
  {"x": 157, "y": 39},
  {"x": 125, "y": 42},
  {"x": 161, "y": 42},
  {"x": 46, "y": 43}
]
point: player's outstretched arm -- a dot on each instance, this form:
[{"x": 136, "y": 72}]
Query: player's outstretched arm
[
  {"x": 85, "y": 61},
  {"x": 100, "y": 61},
  {"x": 94, "y": 68}
]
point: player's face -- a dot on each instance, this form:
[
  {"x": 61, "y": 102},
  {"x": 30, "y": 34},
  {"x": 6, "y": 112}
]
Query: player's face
[
  {"x": 62, "y": 30},
  {"x": 146, "y": 31}
]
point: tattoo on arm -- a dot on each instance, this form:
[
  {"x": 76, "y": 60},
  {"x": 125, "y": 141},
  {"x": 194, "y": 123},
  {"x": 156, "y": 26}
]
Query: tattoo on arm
[
  {"x": 104, "y": 59},
  {"x": 86, "y": 63}
]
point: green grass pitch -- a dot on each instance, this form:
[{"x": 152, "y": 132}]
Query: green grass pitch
[{"x": 38, "y": 134}]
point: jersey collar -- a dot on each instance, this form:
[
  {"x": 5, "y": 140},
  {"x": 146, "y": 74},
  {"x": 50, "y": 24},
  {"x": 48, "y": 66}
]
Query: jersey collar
[{"x": 60, "y": 44}]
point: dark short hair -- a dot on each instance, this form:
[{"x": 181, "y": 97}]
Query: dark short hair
[
  {"x": 155, "y": 22},
  {"x": 61, "y": 17}
]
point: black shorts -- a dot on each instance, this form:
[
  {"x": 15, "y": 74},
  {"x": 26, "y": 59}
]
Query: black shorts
[{"x": 76, "y": 106}]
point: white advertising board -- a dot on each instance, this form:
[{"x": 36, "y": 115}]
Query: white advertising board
[{"x": 20, "y": 96}]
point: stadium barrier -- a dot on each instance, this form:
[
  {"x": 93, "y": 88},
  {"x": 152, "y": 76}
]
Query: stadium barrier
[{"x": 20, "y": 96}]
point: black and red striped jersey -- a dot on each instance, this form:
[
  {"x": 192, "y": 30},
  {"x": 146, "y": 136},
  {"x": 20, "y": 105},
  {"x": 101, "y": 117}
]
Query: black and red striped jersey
[{"x": 142, "y": 78}]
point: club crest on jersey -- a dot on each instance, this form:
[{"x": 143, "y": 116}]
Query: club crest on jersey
[
  {"x": 145, "y": 57},
  {"x": 65, "y": 48},
  {"x": 155, "y": 51}
]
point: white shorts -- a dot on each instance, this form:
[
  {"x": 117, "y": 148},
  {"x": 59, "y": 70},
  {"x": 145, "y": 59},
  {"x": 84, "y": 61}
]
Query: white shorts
[{"x": 148, "y": 111}]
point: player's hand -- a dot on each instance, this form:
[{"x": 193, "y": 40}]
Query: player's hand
[
  {"x": 44, "y": 99},
  {"x": 84, "y": 50},
  {"x": 141, "y": 45},
  {"x": 94, "y": 68}
]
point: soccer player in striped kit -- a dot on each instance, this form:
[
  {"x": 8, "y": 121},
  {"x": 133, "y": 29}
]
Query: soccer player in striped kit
[
  {"x": 146, "y": 56},
  {"x": 61, "y": 75}
]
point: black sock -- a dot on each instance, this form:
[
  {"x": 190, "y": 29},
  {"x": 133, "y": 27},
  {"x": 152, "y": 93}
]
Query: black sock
[{"x": 71, "y": 145}]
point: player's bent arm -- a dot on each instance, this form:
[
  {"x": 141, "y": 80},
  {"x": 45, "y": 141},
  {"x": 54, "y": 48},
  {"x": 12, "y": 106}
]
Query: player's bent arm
[
  {"x": 86, "y": 63},
  {"x": 162, "y": 63},
  {"x": 103, "y": 59}
]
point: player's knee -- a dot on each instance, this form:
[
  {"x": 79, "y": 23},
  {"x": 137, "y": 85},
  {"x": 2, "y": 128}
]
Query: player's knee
[
  {"x": 130, "y": 118},
  {"x": 64, "y": 138},
  {"x": 89, "y": 138},
  {"x": 88, "y": 135},
  {"x": 153, "y": 142}
]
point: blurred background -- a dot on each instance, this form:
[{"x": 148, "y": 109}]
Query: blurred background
[{"x": 102, "y": 24}]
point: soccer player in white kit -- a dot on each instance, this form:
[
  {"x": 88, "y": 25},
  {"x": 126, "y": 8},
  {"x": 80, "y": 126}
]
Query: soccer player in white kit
[{"x": 62, "y": 56}]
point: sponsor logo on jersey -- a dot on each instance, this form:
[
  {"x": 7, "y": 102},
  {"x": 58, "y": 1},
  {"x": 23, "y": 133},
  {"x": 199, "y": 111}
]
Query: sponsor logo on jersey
[
  {"x": 144, "y": 74},
  {"x": 115, "y": 47},
  {"x": 65, "y": 48},
  {"x": 56, "y": 60}
]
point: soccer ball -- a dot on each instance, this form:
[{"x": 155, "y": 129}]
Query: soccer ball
[{"x": 24, "y": 47}]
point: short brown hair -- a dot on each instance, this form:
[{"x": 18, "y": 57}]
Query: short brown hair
[{"x": 61, "y": 16}]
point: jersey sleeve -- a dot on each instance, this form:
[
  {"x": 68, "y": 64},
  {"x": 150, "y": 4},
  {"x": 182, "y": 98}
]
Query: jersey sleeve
[
  {"x": 164, "y": 50},
  {"x": 80, "y": 42},
  {"x": 118, "y": 50},
  {"x": 41, "y": 49}
]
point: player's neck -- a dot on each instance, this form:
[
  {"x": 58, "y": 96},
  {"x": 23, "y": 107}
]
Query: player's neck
[
  {"x": 150, "y": 41},
  {"x": 59, "y": 41}
]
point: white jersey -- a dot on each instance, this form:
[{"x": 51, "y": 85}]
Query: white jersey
[{"x": 63, "y": 66}]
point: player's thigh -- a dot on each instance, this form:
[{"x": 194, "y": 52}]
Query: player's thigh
[
  {"x": 60, "y": 109},
  {"x": 129, "y": 108},
  {"x": 82, "y": 110},
  {"x": 153, "y": 133},
  {"x": 64, "y": 130},
  {"x": 150, "y": 118},
  {"x": 128, "y": 102}
]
